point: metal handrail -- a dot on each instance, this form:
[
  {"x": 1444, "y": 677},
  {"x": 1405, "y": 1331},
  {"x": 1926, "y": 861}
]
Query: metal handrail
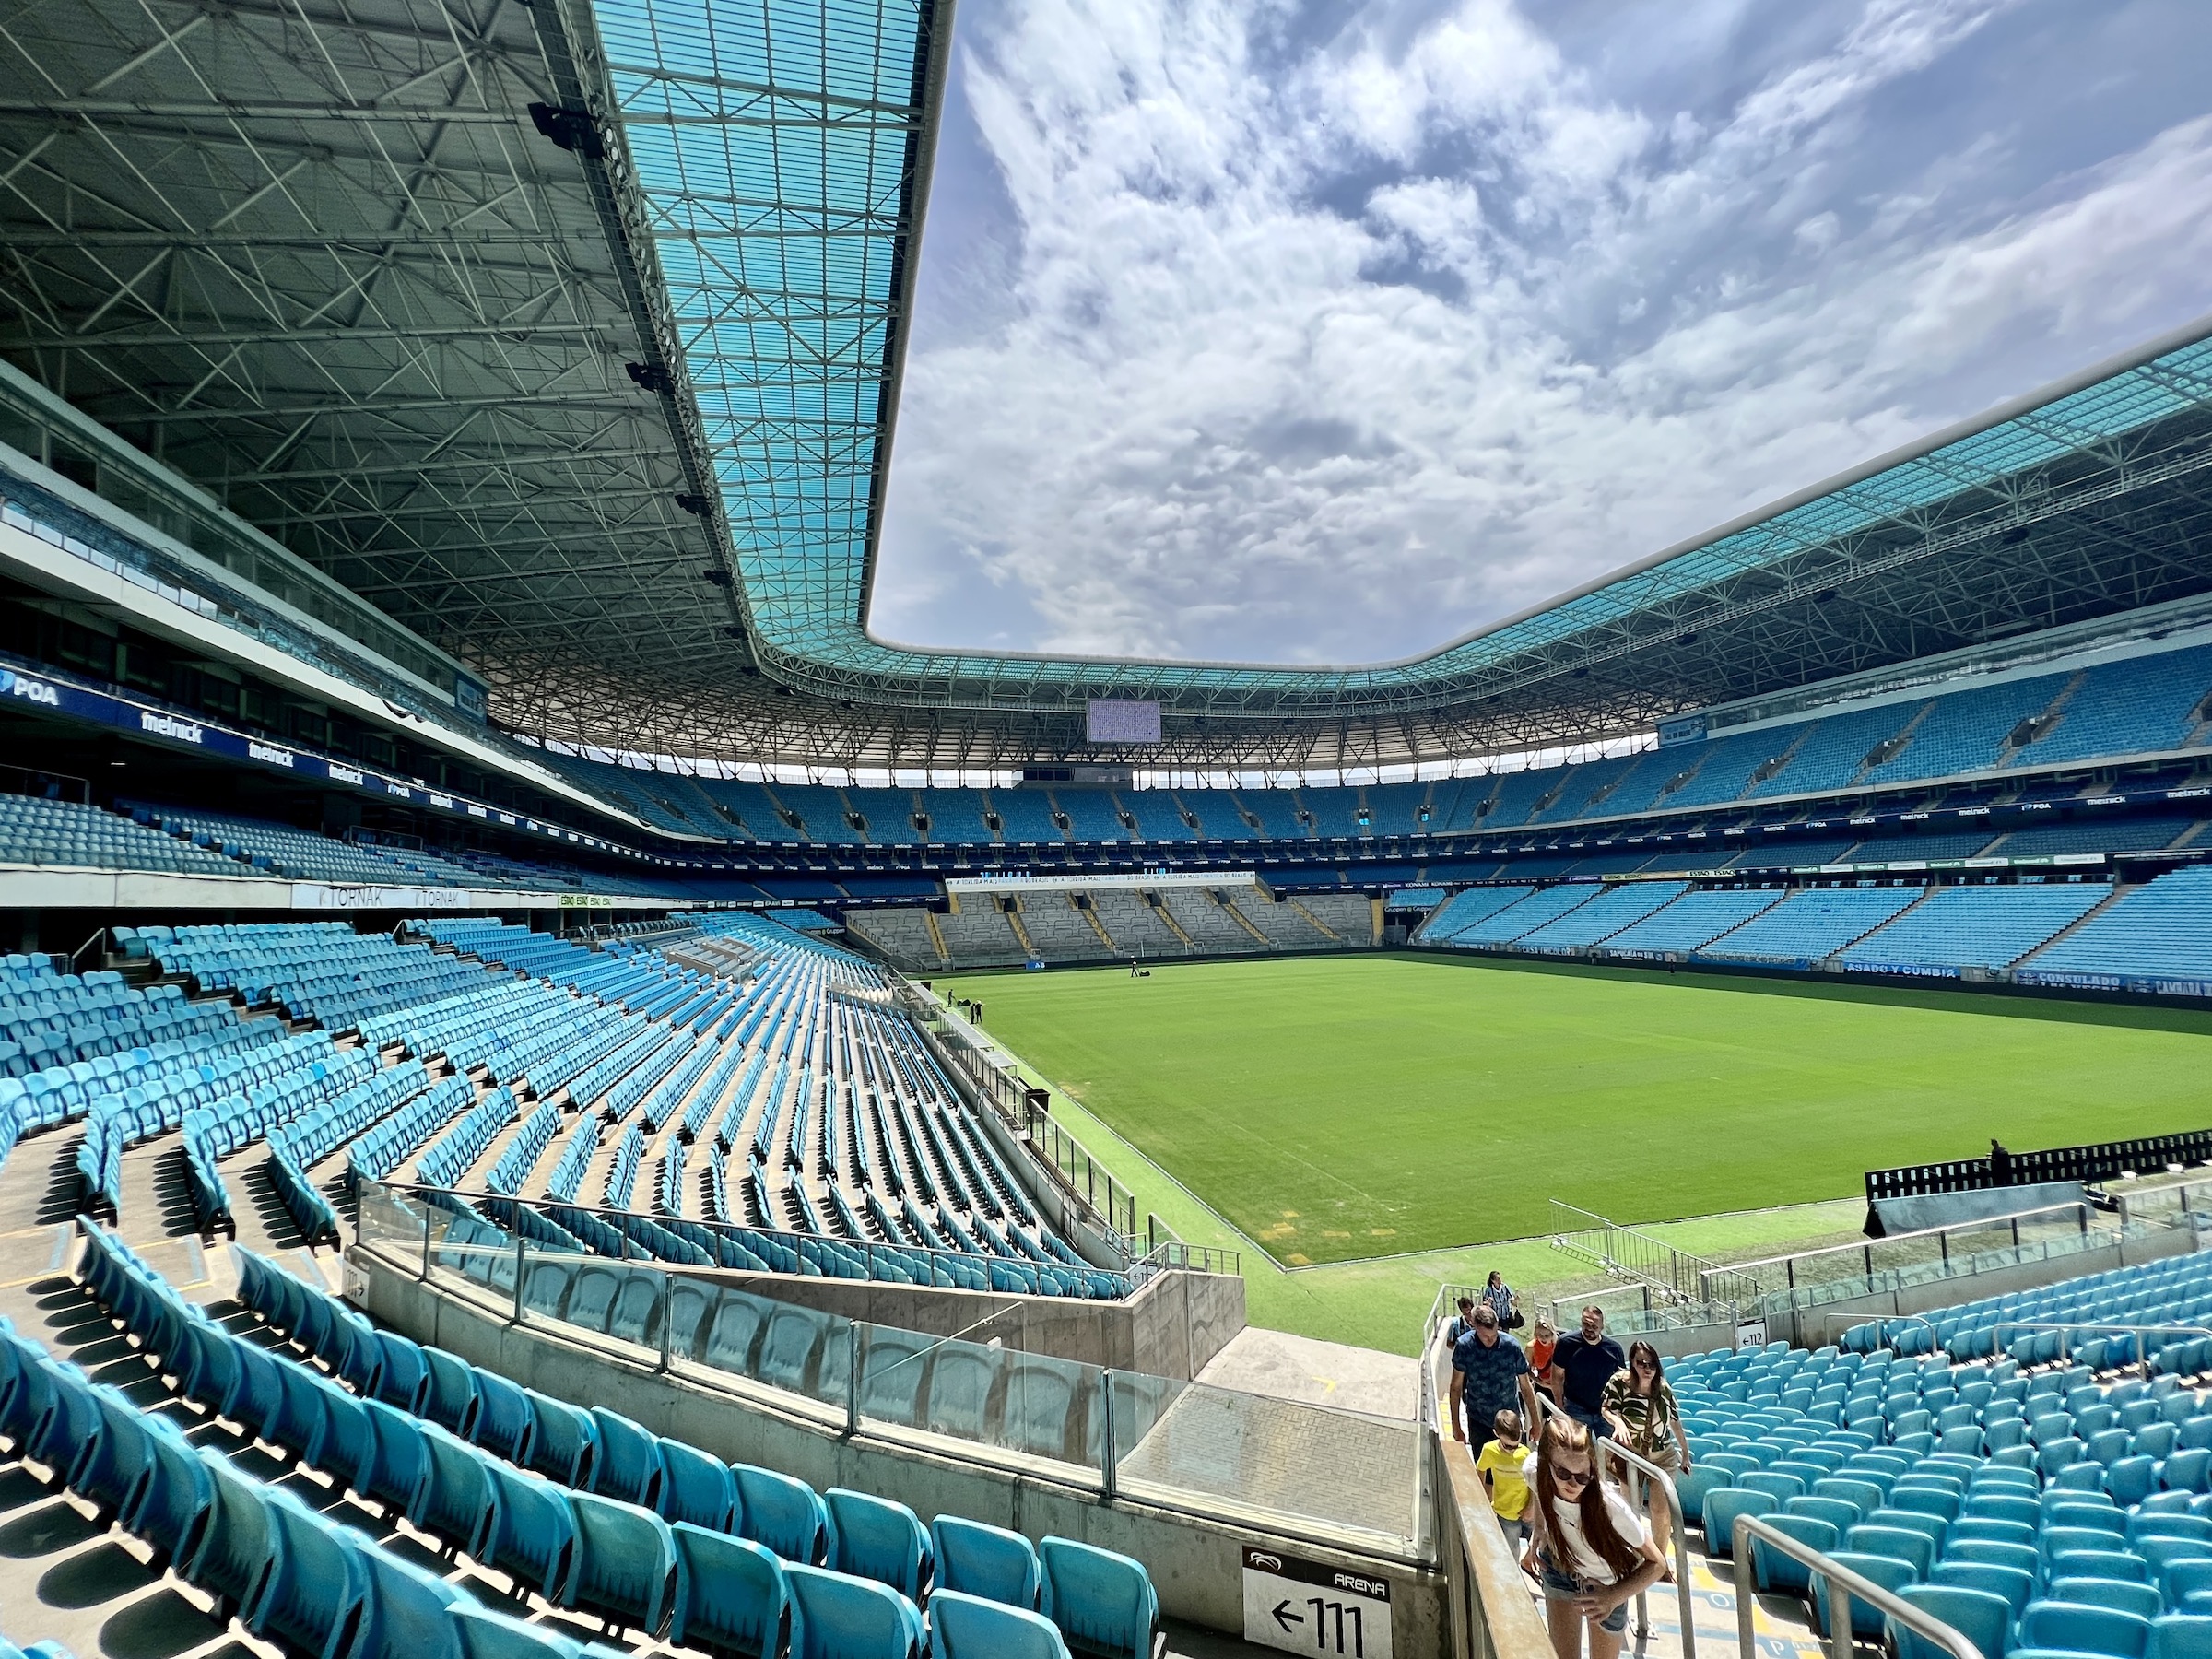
[
  {"x": 1548, "y": 1407},
  {"x": 1842, "y": 1584},
  {"x": 2078, "y": 1206},
  {"x": 876, "y": 1255}
]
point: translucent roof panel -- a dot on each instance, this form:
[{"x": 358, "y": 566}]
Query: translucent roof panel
[{"x": 772, "y": 142}]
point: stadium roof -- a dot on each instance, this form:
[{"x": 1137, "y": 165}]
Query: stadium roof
[{"x": 571, "y": 334}]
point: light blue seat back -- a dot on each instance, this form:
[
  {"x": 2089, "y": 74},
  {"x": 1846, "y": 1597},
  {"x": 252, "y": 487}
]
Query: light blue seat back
[
  {"x": 2082, "y": 1630},
  {"x": 988, "y": 1561},
  {"x": 1102, "y": 1601},
  {"x": 2180, "y": 1636},
  {"x": 697, "y": 1489},
  {"x": 972, "y": 1627},
  {"x": 730, "y": 1594},
  {"x": 837, "y": 1617},
  {"x": 782, "y": 1513},
  {"x": 409, "y": 1611},
  {"x": 462, "y": 1501},
  {"x": 535, "y": 1540},
  {"x": 1866, "y": 1620},
  {"x": 625, "y": 1562},
  {"x": 317, "y": 1589},
  {"x": 877, "y": 1538},
  {"x": 1983, "y": 1618},
  {"x": 628, "y": 1463}
]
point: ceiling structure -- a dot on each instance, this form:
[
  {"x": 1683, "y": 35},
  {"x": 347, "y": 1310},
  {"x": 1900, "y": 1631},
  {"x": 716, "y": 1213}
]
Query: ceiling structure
[{"x": 569, "y": 335}]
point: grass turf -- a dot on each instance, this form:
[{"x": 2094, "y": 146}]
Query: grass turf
[{"x": 1339, "y": 1108}]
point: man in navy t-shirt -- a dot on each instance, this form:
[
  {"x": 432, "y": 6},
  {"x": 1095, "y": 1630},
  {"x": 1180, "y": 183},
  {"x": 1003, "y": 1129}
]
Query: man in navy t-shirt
[{"x": 1581, "y": 1367}]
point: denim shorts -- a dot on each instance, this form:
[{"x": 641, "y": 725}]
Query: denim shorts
[{"x": 1562, "y": 1586}]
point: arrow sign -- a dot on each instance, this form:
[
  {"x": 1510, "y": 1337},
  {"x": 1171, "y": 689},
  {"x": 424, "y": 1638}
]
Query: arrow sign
[{"x": 1318, "y": 1609}]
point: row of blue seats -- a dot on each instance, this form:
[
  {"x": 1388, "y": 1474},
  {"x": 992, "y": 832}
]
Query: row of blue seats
[
  {"x": 1103, "y": 1602},
  {"x": 2109, "y": 1297}
]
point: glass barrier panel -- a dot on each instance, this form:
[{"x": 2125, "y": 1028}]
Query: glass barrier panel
[
  {"x": 468, "y": 1251},
  {"x": 1259, "y": 1454},
  {"x": 390, "y": 1222},
  {"x": 727, "y": 1329},
  {"x": 1033, "y": 1403}
]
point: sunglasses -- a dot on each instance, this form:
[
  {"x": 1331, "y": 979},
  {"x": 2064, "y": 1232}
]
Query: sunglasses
[{"x": 1573, "y": 1477}]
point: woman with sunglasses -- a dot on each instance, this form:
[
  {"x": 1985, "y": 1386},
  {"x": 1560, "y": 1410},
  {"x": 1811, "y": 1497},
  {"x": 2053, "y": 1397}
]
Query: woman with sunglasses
[
  {"x": 1591, "y": 1550},
  {"x": 1639, "y": 1405}
]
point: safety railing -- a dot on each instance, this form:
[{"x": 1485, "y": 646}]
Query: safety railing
[
  {"x": 971, "y": 1058},
  {"x": 1666, "y": 1281},
  {"x": 1844, "y": 1586},
  {"x": 1173, "y": 1256},
  {"x": 1664, "y": 1482},
  {"x": 1775, "y": 1286},
  {"x": 1355, "y": 1481},
  {"x": 893, "y": 1264}
]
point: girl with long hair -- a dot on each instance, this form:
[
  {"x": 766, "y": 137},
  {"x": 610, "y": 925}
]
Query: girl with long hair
[
  {"x": 1639, "y": 1405},
  {"x": 1591, "y": 1550}
]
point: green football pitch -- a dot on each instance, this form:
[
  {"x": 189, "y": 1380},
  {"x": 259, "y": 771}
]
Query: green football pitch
[{"x": 1337, "y": 1108}]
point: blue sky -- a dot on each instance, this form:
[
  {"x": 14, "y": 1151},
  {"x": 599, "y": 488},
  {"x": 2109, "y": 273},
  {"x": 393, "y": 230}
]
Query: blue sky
[{"x": 1324, "y": 332}]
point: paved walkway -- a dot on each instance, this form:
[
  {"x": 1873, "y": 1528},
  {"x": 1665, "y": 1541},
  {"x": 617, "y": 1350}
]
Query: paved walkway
[{"x": 1316, "y": 1374}]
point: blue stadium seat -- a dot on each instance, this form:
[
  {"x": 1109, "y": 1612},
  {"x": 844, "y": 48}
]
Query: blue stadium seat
[
  {"x": 970, "y": 1627},
  {"x": 988, "y": 1561},
  {"x": 1866, "y": 1620},
  {"x": 835, "y": 1617},
  {"x": 1102, "y": 1602},
  {"x": 626, "y": 1564},
  {"x": 783, "y": 1514},
  {"x": 1983, "y": 1618},
  {"x": 730, "y": 1594},
  {"x": 697, "y": 1489},
  {"x": 877, "y": 1538},
  {"x": 2069, "y": 1628}
]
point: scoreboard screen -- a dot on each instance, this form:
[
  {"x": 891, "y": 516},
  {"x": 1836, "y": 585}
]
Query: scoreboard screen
[{"x": 1123, "y": 719}]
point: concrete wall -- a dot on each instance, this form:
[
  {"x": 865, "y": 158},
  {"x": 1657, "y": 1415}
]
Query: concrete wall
[
  {"x": 1195, "y": 1563},
  {"x": 1171, "y": 1327},
  {"x": 1816, "y": 1326}
]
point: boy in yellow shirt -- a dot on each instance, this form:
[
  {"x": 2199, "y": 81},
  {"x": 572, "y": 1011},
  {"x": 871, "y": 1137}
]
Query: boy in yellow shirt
[{"x": 1499, "y": 1466}]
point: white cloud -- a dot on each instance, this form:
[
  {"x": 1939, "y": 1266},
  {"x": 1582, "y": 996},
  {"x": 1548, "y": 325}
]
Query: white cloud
[{"x": 1331, "y": 350}]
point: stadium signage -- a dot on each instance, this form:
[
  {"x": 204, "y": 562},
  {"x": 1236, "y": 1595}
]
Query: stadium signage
[
  {"x": 1101, "y": 882},
  {"x": 31, "y": 690},
  {"x": 166, "y": 726},
  {"x": 81, "y": 703},
  {"x": 1304, "y": 1606}
]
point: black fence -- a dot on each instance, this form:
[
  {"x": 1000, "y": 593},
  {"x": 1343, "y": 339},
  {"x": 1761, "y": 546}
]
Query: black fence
[{"x": 2098, "y": 1163}]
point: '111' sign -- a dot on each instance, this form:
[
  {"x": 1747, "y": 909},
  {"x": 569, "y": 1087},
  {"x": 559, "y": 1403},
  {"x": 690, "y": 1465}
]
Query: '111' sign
[{"x": 1304, "y": 1606}]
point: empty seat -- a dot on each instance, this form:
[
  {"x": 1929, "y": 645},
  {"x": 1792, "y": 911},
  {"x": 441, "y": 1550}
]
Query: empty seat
[
  {"x": 1102, "y": 1602},
  {"x": 835, "y": 1617},
  {"x": 877, "y": 1538},
  {"x": 730, "y": 1594},
  {"x": 988, "y": 1561},
  {"x": 626, "y": 1564},
  {"x": 782, "y": 1512},
  {"x": 970, "y": 1627},
  {"x": 1982, "y": 1617}
]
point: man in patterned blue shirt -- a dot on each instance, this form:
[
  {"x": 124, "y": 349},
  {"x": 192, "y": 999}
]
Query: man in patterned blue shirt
[{"x": 1489, "y": 1375}]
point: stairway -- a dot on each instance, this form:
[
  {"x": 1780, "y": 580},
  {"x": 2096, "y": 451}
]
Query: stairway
[
  {"x": 1168, "y": 922},
  {"x": 1021, "y": 935},
  {"x": 1327, "y": 930},
  {"x": 1903, "y": 740},
  {"x": 2118, "y": 892},
  {"x": 1091, "y": 914},
  {"x": 2046, "y": 721},
  {"x": 937, "y": 936},
  {"x": 1229, "y": 906}
]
